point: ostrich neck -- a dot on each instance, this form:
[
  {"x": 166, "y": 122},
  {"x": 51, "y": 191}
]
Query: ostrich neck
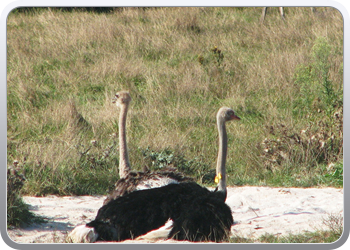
[
  {"x": 221, "y": 161},
  {"x": 124, "y": 164}
]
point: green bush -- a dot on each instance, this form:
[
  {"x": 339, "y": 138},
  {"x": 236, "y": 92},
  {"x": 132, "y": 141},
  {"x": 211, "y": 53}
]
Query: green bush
[{"x": 18, "y": 213}]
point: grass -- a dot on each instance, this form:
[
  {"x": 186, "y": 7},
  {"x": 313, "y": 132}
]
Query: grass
[
  {"x": 333, "y": 231},
  {"x": 284, "y": 79}
]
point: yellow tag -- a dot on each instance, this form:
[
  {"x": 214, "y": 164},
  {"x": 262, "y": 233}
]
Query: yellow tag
[{"x": 217, "y": 178}]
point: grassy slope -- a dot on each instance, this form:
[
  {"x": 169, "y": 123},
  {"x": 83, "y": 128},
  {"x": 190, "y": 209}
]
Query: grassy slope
[{"x": 180, "y": 65}]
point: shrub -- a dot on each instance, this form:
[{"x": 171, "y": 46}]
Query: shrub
[
  {"x": 168, "y": 158},
  {"x": 18, "y": 213}
]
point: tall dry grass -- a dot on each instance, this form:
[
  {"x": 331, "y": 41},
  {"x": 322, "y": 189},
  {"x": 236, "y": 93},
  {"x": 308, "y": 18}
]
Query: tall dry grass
[{"x": 65, "y": 66}]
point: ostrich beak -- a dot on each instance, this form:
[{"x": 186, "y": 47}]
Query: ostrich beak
[
  {"x": 114, "y": 99},
  {"x": 235, "y": 117}
]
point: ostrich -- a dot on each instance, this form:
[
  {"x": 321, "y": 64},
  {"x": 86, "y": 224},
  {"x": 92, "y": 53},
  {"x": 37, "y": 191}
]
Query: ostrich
[
  {"x": 130, "y": 181},
  {"x": 281, "y": 13},
  {"x": 197, "y": 213},
  {"x": 265, "y": 10}
]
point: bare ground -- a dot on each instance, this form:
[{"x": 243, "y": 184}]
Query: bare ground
[{"x": 256, "y": 211}]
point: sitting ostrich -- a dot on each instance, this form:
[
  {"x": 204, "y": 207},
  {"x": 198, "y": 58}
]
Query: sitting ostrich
[{"x": 197, "y": 213}]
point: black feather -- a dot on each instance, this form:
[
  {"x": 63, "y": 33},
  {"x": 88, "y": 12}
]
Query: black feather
[
  {"x": 197, "y": 214},
  {"x": 129, "y": 184}
]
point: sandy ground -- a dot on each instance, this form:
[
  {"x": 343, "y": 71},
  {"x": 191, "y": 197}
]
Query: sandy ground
[{"x": 256, "y": 211}]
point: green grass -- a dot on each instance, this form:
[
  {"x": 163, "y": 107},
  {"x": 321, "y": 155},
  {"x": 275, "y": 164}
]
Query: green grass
[
  {"x": 180, "y": 66},
  {"x": 309, "y": 237},
  {"x": 332, "y": 232}
]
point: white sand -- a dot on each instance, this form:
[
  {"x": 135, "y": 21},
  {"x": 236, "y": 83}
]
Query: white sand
[
  {"x": 256, "y": 211},
  {"x": 280, "y": 211}
]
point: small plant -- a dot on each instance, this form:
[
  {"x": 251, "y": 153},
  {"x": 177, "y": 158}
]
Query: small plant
[
  {"x": 213, "y": 64},
  {"x": 321, "y": 54},
  {"x": 94, "y": 156},
  {"x": 167, "y": 158},
  {"x": 335, "y": 173},
  {"x": 335, "y": 224},
  {"x": 218, "y": 55},
  {"x": 18, "y": 213},
  {"x": 159, "y": 160},
  {"x": 316, "y": 88}
]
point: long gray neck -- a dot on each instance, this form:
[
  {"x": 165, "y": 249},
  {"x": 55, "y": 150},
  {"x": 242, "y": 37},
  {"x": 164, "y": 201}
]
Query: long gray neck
[
  {"x": 124, "y": 164},
  {"x": 221, "y": 161}
]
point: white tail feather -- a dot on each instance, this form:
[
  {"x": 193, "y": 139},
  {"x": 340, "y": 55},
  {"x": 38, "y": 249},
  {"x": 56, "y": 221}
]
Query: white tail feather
[
  {"x": 82, "y": 234},
  {"x": 157, "y": 234}
]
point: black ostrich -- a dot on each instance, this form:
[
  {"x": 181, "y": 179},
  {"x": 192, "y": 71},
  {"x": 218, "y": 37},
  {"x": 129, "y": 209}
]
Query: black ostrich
[{"x": 197, "y": 213}]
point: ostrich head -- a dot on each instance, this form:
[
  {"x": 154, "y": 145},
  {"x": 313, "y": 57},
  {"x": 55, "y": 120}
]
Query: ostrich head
[
  {"x": 226, "y": 114},
  {"x": 122, "y": 98}
]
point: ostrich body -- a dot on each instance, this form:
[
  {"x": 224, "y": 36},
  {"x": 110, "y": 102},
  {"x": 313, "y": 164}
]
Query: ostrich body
[
  {"x": 197, "y": 213},
  {"x": 186, "y": 203}
]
